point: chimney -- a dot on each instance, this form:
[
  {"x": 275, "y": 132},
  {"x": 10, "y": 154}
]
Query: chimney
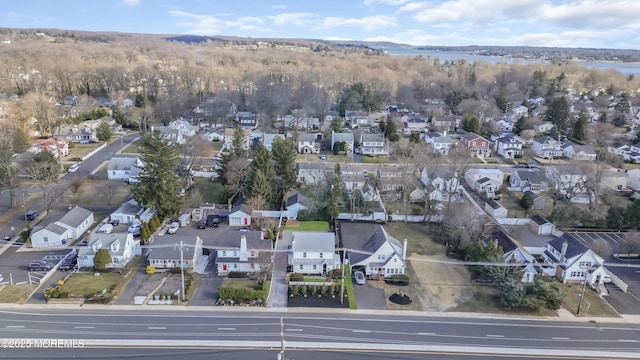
[
  {"x": 244, "y": 256},
  {"x": 565, "y": 245},
  {"x": 404, "y": 250},
  {"x": 445, "y": 133}
]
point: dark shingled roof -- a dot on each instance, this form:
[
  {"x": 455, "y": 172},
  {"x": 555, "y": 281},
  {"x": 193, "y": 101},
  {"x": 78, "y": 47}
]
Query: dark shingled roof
[
  {"x": 363, "y": 237},
  {"x": 539, "y": 220},
  {"x": 504, "y": 241},
  {"x": 574, "y": 246}
]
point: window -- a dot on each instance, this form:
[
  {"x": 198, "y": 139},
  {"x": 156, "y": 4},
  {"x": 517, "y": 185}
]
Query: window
[
  {"x": 301, "y": 266},
  {"x": 314, "y": 267},
  {"x": 381, "y": 256},
  {"x": 304, "y": 255},
  {"x": 321, "y": 255},
  {"x": 253, "y": 254},
  {"x": 235, "y": 266},
  {"x": 46, "y": 239},
  {"x": 224, "y": 253},
  {"x": 584, "y": 264}
]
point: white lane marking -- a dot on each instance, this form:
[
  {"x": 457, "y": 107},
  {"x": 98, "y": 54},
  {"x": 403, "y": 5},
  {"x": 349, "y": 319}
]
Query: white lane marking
[
  {"x": 361, "y": 331},
  {"x": 85, "y": 327},
  {"x": 230, "y": 329},
  {"x": 293, "y": 329},
  {"x": 426, "y": 333},
  {"x": 627, "y": 340},
  {"x": 14, "y": 326},
  {"x": 495, "y": 336},
  {"x": 157, "y": 327},
  {"x": 560, "y": 338}
]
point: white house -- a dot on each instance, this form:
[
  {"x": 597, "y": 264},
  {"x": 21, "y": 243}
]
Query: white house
[
  {"x": 473, "y": 176},
  {"x": 494, "y": 209},
  {"x": 372, "y": 250},
  {"x": 295, "y": 203},
  {"x": 541, "y": 226},
  {"x": 543, "y": 127},
  {"x": 514, "y": 252},
  {"x": 440, "y": 183},
  {"x": 244, "y": 251},
  {"x": 528, "y": 180},
  {"x": 268, "y": 139},
  {"x": 373, "y": 144},
  {"x": 76, "y": 221},
  {"x": 125, "y": 168},
  {"x": 357, "y": 118},
  {"x": 573, "y": 262},
  {"x": 343, "y": 137},
  {"x": 121, "y": 246},
  {"x": 308, "y": 144},
  {"x": 213, "y": 135},
  {"x": 441, "y": 143},
  {"x": 509, "y": 146},
  {"x": 414, "y": 124},
  {"x": 167, "y": 253},
  {"x": 174, "y": 136},
  {"x": 130, "y": 211},
  {"x": 575, "y": 151},
  {"x": 186, "y": 129},
  {"x": 240, "y": 214},
  {"x": 313, "y": 253},
  {"x": 547, "y": 147},
  {"x": 570, "y": 180},
  {"x": 314, "y": 173},
  {"x": 52, "y": 235}
]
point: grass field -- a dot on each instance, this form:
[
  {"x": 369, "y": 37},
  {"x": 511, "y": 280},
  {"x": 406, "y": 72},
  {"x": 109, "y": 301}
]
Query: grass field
[
  {"x": 16, "y": 294},
  {"x": 210, "y": 191},
  {"x": 421, "y": 239},
  {"x": 309, "y": 226},
  {"x": 486, "y": 300},
  {"x": 84, "y": 284},
  {"x": 593, "y": 305},
  {"x": 374, "y": 160}
]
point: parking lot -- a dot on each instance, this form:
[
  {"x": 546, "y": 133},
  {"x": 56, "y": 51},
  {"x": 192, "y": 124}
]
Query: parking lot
[
  {"x": 14, "y": 266},
  {"x": 607, "y": 244}
]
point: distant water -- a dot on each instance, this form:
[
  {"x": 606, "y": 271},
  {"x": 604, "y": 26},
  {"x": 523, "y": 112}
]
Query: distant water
[{"x": 624, "y": 68}]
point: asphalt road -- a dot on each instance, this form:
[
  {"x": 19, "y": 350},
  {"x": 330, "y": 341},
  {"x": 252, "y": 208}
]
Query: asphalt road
[{"x": 321, "y": 331}]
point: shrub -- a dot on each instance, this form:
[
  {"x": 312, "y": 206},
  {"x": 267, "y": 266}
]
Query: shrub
[
  {"x": 266, "y": 287},
  {"x": 313, "y": 289},
  {"x": 397, "y": 279},
  {"x": 324, "y": 289},
  {"x": 335, "y": 273},
  {"x": 259, "y": 294},
  {"x": 303, "y": 290},
  {"x": 296, "y": 277},
  {"x": 51, "y": 293},
  {"x": 237, "y": 274},
  {"x": 150, "y": 270}
]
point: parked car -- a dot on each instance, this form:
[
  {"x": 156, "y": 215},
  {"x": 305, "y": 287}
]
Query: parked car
[
  {"x": 173, "y": 228},
  {"x": 323, "y": 157},
  {"x": 202, "y": 224},
  {"x": 36, "y": 265},
  {"x": 359, "y": 276},
  {"x": 73, "y": 168},
  {"x": 213, "y": 221},
  {"x": 83, "y": 243},
  {"x": 31, "y": 214},
  {"x": 135, "y": 229},
  {"x": 114, "y": 222},
  {"x": 69, "y": 263}
]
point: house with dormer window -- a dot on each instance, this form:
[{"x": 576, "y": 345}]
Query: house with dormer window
[
  {"x": 313, "y": 253},
  {"x": 547, "y": 147},
  {"x": 121, "y": 246},
  {"x": 509, "y": 146},
  {"x": 570, "y": 261}
]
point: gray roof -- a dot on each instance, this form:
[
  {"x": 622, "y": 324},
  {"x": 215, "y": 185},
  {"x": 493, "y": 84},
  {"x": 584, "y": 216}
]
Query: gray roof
[
  {"x": 129, "y": 207},
  {"x": 313, "y": 241},
  {"x": 534, "y": 177},
  {"x": 504, "y": 241},
  {"x": 574, "y": 247},
  {"x": 75, "y": 217},
  {"x": 347, "y": 137},
  {"x": 545, "y": 140},
  {"x": 296, "y": 198},
  {"x": 315, "y": 165},
  {"x": 373, "y": 137},
  {"x": 107, "y": 240},
  {"x": 364, "y": 238},
  {"x": 539, "y": 220},
  {"x": 122, "y": 163},
  {"x": 306, "y": 137},
  {"x": 228, "y": 239},
  {"x": 242, "y": 207},
  {"x": 168, "y": 247},
  {"x": 54, "y": 228}
]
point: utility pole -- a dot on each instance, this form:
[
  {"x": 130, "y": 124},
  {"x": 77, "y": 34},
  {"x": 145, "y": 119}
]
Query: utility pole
[
  {"x": 182, "y": 270},
  {"x": 343, "y": 279},
  {"x": 584, "y": 285}
]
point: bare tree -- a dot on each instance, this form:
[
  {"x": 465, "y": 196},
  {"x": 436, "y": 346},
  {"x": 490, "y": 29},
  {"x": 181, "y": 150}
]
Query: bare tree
[
  {"x": 464, "y": 225},
  {"x": 12, "y": 141}
]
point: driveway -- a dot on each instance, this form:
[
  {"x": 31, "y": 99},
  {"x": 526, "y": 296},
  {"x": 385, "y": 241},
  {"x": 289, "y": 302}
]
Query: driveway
[
  {"x": 208, "y": 285},
  {"x": 369, "y": 297},
  {"x": 279, "y": 290},
  {"x": 623, "y": 303},
  {"x": 138, "y": 277}
]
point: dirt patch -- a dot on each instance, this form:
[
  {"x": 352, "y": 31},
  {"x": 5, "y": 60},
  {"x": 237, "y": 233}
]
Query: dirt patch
[
  {"x": 99, "y": 192},
  {"x": 173, "y": 284},
  {"x": 442, "y": 286}
]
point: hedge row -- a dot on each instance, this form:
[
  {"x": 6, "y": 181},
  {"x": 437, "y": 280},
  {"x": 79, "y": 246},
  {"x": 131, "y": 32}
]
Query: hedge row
[{"x": 241, "y": 294}]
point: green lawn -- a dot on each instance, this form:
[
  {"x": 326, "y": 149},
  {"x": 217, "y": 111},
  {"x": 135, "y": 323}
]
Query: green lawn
[
  {"x": 314, "y": 279},
  {"x": 486, "y": 300},
  {"x": 84, "y": 284},
  {"x": 309, "y": 226},
  {"x": 210, "y": 191},
  {"x": 593, "y": 305},
  {"x": 375, "y": 160},
  {"x": 240, "y": 283},
  {"x": 351, "y": 294}
]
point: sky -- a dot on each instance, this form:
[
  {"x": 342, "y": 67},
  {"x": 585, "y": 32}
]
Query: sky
[{"x": 557, "y": 23}]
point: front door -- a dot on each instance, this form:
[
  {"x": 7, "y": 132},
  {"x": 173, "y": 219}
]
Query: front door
[
  {"x": 598, "y": 278},
  {"x": 324, "y": 269}
]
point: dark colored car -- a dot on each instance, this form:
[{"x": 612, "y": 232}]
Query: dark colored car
[
  {"x": 213, "y": 221},
  {"x": 69, "y": 263},
  {"x": 31, "y": 215},
  {"x": 36, "y": 265},
  {"x": 202, "y": 224}
]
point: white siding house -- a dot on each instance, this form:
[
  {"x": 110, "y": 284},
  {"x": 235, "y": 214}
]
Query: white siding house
[
  {"x": 122, "y": 248},
  {"x": 77, "y": 221},
  {"x": 372, "y": 249},
  {"x": 52, "y": 235},
  {"x": 243, "y": 251},
  {"x": 313, "y": 252}
]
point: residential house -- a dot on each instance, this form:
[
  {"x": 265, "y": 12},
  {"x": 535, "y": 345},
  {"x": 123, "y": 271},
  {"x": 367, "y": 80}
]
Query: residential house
[
  {"x": 121, "y": 246},
  {"x": 543, "y": 127},
  {"x": 615, "y": 179},
  {"x": 575, "y": 151},
  {"x": 354, "y": 176},
  {"x": 494, "y": 209},
  {"x": 481, "y": 179},
  {"x": 568, "y": 179},
  {"x": 308, "y": 144},
  {"x": 414, "y": 124},
  {"x": 58, "y": 148},
  {"x": 268, "y": 139},
  {"x": 213, "y": 135},
  {"x": 240, "y": 214},
  {"x": 295, "y": 203},
  {"x": 443, "y": 123},
  {"x": 440, "y": 182},
  {"x": 371, "y": 249},
  {"x": 313, "y": 253},
  {"x": 174, "y": 136},
  {"x": 528, "y": 180},
  {"x": 618, "y": 148},
  {"x": 633, "y": 179},
  {"x": 346, "y": 138},
  {"x": 185, "y": 127},
  {"x": 514, "y": 252},
  {"x": 476, "y": 145},
  {"x": 79, "y": 134},
  {"x": 315, "y": 173},
  {"x": 229, "y": 135},
  {"x": 506, "y": 125},
  {"x": 547, "y": 147},
  {"x": 373, "y": 144},
  {"x": 541, "y": 226},
  {"x": 125, "y": 168},
  {"x": 247, "y": 120},
  {"x": 243, "y": 251},
  {"x": 357, "y": 118},
  {"x": 573, "y": 262},
  {"x": 170, "y": 252},
  {"x": 130, "y": 212},
  {"x": 509, "y": 146},
  {"x": 52, "y": 235},
  {"x": 77, "y": 221},
  {"x": 440, "y": 142}
]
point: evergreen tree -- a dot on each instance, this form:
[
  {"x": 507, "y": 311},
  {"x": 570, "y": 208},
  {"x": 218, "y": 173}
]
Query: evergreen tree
[
  {"x": 336, "y": 124},
  {"x": 101, "y": 259},
  {"x": 390, "y": 130},
  {"x": 502, "y": 100},
  {"x": 580, "y": 128},
  {"x": 470, "y": 123},
  {"x": 104, "y": 132},
  {"x": 159, "y": 186},
  {"x": 415, "y": 137},
  {"x": 526, "y": 202},
  {"x": 284, "y": 157},
  {"x": 558, "y": 113},
  {"x": 262, "y": 187},
  {"x": 333, "y": 209}
]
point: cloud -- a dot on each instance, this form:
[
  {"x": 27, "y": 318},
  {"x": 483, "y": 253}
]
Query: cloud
[
  {"x": 209, "y": 25},
  {"x": 367, "y": 23},
  {"x": 131, "y": 2},
  {"x": 279, "y": 7},
  {"x": 593, "y": 13},
  {"x": 413, "y": 6},
  {"x": 298, "y": 19},
  {"x": 385, "y": 2}
]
